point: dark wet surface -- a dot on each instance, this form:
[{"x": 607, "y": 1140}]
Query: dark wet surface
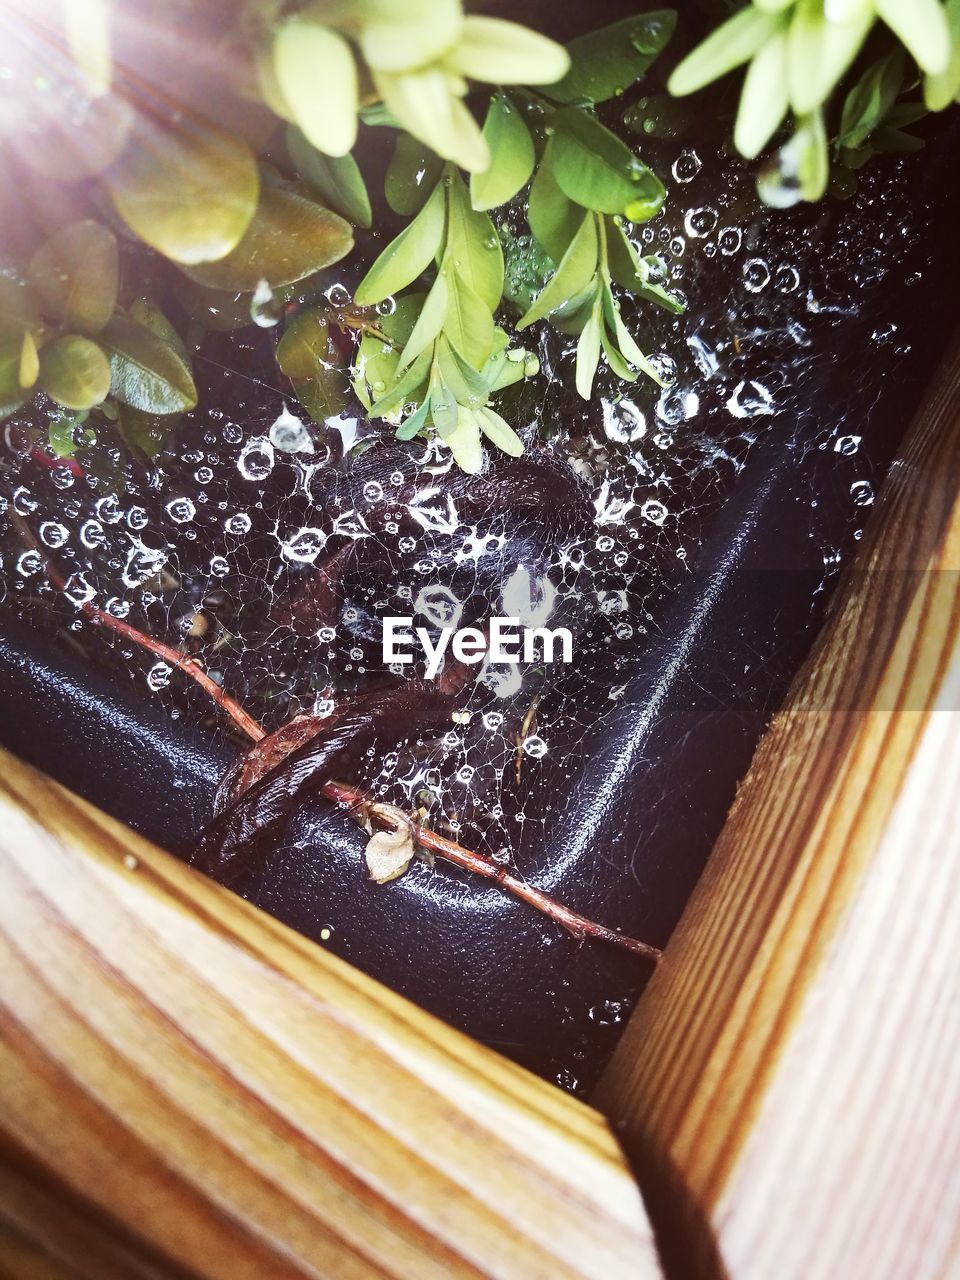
[{"x": 690, "y": 540}]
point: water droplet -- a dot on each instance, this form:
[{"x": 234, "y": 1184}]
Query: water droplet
[
  {"x": 862, "y": 493},
  {"x": 256, "y": 459},
  {"x": 53, "y": 534},
  {"x": 238, "y": 524},
  {"x": 654, "y": 511},
  {"x": 265, "y": 310},
  {"x": 750, "y": 400},
  {"x": 847, "y": 445},
  {"x": 534, "y": 747},
  {"x": 303, "y": 546},
  {"x": 700, "y": 222},
  {"x": 756, "y": 275},
  {"x": 158, "y": 677},
  {"x": 181, "y": 510},
  {"x": 686, "y": 167},
  {"x": 290, "y": 435}
]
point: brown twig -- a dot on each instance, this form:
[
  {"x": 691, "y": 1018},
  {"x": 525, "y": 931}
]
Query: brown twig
[{"x": 351, "y": 797}]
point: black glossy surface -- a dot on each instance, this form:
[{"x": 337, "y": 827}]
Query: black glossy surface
[{"x": 632, "y": 807}]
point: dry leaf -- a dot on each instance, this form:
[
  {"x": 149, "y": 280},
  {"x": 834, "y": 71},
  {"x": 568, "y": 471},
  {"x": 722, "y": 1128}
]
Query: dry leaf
[{"x": 389, "y": 853}]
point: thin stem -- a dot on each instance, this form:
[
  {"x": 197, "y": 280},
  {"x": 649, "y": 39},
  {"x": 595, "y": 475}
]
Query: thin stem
[{"x": 342, "y": 793}]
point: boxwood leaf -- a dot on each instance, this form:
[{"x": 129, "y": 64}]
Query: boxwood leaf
[
  {"x": 765, "y": 99},
  {"x": 12, "y": 394},
  {"x": 818, "y": 52},
  {"x": 415, "y": 423},
  {"x": 77, "y": 275},
  {"x": 430, "y": 322},
  {"x": 464, "y": 441},
  {"x": 305, "y": 348},
  {"x": 317, "y": 76},
  {"x": 147, "y": 373},
  {"x": 149, "y": 314},
  {"x": 729, "y": 47},
  {"x": 595, "y": 169},
  {"x": 469, "y": 324},
  {"x": 189, "y": 192},
  {"x": 444, "y": 408},
  {"x": 29, "y": 361},
  {"x": 409, "y": 255},
  {"x": 588, "y": 353},
  {"x": 337, "y": 179},
  {"x": 474, "y": 246},
  {"x": 404, "y": 387},
  {"x": 413, "y": 173},
  {"x": 87, "y": 28},
  {"x": 499, "y": 431},
  {"x": 512, "y": 156},
  {"x": 288, "y": 239},
  {"x": 869, "y": 101},
  {"x": 605, "y": 63},
  {"x": 19, "y": 306},
  {"x": 323, "y": 396},
  {"x": 75, "y": 372},
  {"x": 554, "y": 220},
  {"x": 575, "y": 273}
]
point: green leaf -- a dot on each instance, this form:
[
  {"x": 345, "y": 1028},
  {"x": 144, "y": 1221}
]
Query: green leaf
[
  {"x": 625, "y": 343},
  {"x": 190, "y": 193},
  {"x": 464, "y": 441},
  {"x": 870, "y": 100},
  {"x": 527, "y": 267},
  {"x": 61, "y": 429},
  {"x": 444, "y": 409},
  {"x": 75, "y": 372},
  {"x": 404, "y": 387},
  {"x": 588, "y": 353},
  {"x": 375, "y": 369},
  {"x": 818, "y": 52},
  {"x": 607, "y": 62},
  {"x": 595, "y": 169},
  {"x": 575, "y": 272},
  {"x": 469, "y": 324},
  {"x": 414, "y": 424},
  {"x": 623, "y": 259},
  {"x": 737, "y": 41},
  {"x": 337, "y": 179},
  {"x": 289, "y": 239},
  {"x": 498, "y": 431},
  {"x": 512, "y": 156},
  {"x": 147, "y": 313},
  {"x": 87, "y": 27},
  {"x": 29, "y": 361},
  {"x": 409, "y": 255},
  {"x": 474, "y": 247},
  {"x": 554, "y": 220},
  {"x": 430, "y": 322},
  {"x": 615, "y": 360},
  {"x": 317, "y": 75},
  {"x": 12, "y": 394},
  {"x": 19, "y": 306},
  {"x": 466, "y": 384},
  {"x": 942, "y": 89},
  {"x": 323, "y": 396},
  {"x": 922, "y": 27},
  {"x": 77, "y": 275},
  {"x": 414, "y": 172},
  {"x": 765, "y": 100},
  {"x": 145, "y": 433},
  {"x": 146, "y": 372},
  {"x": 305, "y": 348}
]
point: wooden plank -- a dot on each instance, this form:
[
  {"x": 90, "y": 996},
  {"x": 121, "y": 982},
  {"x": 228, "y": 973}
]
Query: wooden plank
[
  {"x": 207, "y": 1094},
  {"x": 791, "y": 1079}
]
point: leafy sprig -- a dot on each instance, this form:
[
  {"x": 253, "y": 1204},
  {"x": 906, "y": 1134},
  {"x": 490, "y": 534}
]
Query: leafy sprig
[
  {"x": 797, "y": 53},
  {"x": 442, "y": 351}
]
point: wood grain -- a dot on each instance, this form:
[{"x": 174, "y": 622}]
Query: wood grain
[
  {"x": 793, "y": 1070},
  {"x": 189, "y": 1089}
]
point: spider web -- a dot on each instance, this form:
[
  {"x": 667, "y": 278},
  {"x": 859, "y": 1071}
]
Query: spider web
[{"x": 206, "y": 547}]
